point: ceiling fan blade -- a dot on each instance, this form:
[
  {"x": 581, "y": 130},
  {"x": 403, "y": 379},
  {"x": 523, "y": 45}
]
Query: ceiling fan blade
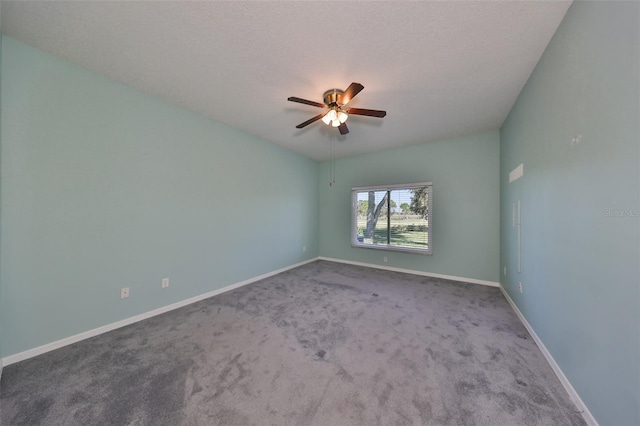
[
  {"x": 367, "y": 112},
  {"x": 306, "y": 102},
  {"x": 343, "y": 129},
  {"x": 351, "y": 92},
  {"x": 309, "y": 121}
]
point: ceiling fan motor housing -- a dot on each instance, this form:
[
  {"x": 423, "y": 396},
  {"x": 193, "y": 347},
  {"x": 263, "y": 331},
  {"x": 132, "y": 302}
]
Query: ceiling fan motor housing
[{"x": 333, "y": 97}]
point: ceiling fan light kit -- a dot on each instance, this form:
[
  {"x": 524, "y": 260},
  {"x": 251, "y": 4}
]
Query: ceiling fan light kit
[{"x": 335, "y": 101}]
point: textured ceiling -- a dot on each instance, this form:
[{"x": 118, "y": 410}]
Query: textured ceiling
[{"x": 440, "y": 69}]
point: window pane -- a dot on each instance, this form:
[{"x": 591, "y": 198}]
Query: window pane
[
  {"x": 409, "y": 218},
  {"x": 396, "y": 217},
  {"x": 372, "y": 217}
]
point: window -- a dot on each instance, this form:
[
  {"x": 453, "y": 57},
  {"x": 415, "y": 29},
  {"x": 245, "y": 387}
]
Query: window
[{"x": 394, "y": 217}]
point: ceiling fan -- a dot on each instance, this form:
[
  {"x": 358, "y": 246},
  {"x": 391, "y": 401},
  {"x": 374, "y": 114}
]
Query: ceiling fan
[{"x": 335, "y": 100}]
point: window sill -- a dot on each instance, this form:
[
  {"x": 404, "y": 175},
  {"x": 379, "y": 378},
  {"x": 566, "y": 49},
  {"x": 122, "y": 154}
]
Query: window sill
[{"x": 393, "y": 248}]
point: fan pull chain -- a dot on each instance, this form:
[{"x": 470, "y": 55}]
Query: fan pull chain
[{"x": 332, "y": 161}]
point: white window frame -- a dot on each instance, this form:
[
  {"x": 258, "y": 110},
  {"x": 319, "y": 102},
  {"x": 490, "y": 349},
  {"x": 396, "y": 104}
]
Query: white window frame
[{"x": 388, "y": 247}]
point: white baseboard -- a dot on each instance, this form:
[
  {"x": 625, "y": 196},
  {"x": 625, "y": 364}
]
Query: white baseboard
[
  {"x": 414, "y": 272},
  {"x": 30, "y": 353},
  {"x": 580, "y": 405}
]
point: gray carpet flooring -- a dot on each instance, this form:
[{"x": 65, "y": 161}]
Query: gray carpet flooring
[{"x": 322, "y": 344}]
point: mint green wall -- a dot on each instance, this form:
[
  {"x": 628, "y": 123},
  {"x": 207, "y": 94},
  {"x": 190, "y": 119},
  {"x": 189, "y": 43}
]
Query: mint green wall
[
  {"x": 104, "y": 187},
  {"x": 1, "y": 327},
  {"x": 580, "y": 267},
  {"x": 465, "y": 176}
]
